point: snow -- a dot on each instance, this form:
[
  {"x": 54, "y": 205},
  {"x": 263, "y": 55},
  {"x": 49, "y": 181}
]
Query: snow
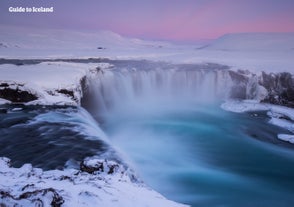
[
  {"x": 280, "y": 116},
  {"x": 282, "y": 123},
  {"x": 27, "y": 186},
  {"x": 244, "y": 106},
  {"x": 240, "y": 106},
  {"x": 272, "y": 52},
  {"x": 286, "y": 137},
  {"x": 4, "y": 101},
  {"x": 17, "y": 109},
  {"x": 32, "y": 38},
  {"x": 46, "y": 79},
  {"x": 254, "y": 41}
]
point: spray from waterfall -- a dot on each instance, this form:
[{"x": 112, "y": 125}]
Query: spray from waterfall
[{"x": 132, "y": 90}]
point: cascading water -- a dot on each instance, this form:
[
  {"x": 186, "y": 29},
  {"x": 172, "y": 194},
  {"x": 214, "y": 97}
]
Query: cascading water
[
  {"x": 132, "y": 90},
  {"x": 169, "y": 124}
]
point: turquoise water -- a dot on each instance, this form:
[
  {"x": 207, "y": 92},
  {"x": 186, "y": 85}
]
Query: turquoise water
[{"x": 204, "y": 156}]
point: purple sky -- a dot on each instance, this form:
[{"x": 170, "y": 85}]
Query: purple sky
[{"x": 180, "y": 20}]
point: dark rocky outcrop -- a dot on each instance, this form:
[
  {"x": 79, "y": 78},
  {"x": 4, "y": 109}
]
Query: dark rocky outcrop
[
  {"x": 67, "y": 93},
  {"x": 16, "y": 95},
  {"x": 99, "y": 166},
  {"x": 280, "y": 88},
  {"x": 36, "y": 197},
  {"x": 84, "y": 167},
  {"x": 276, "y": 88}
]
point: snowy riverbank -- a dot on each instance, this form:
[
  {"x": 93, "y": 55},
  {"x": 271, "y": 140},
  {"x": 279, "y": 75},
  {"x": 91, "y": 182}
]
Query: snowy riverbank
[
  {"x": 100, "y": 182},
  {"x": 46, "y": 83},
  {"x": 279, "y": 115}
]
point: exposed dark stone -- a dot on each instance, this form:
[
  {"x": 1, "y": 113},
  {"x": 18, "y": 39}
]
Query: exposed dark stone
[
  {"x": 64, "y": 177},
  {"x": 66, "y": 92},
  {"x": 280, "y": 87},
  {"x": 27, "y": 186},
  {"x": 99, "y": 166},
  {"x": 16, "y": 95},
  {"x": 91, "y": 169},
  {"x": 57, "y": 200},
  {"x": 112, "y": 168},
  {"x": 4, "y": 84},
  {"x": 99, "y": 70},
  {"x": 3, "y": 111}
]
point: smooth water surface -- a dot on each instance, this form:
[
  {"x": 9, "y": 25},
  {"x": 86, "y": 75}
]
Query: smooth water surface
[{"x": 204, "y": 156}]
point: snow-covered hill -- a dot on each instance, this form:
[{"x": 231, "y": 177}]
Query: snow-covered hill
[
  {"x": 254, "y": 42},
  {"x": 251, "y": 51},
  {"x": 29, "y": 38},
  {"x": 256, "y": 52}
]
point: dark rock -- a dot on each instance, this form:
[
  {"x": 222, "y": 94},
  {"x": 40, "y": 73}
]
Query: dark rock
[
  {"x": 27, "y": 186},
  {"x": 280, "y": 87},
  {"x": 4, "y": 84},
  {"x": 16, "y": 95},
  {"x": 90, "y": 168},
  {"x": 66, "y": 92},
  {"x": 112, "y": 168},
  {"x": 35, "y": 197},
  {"x": 3, "y": 111}
]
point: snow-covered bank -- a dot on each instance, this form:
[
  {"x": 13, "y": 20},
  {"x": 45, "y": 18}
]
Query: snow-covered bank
[
  {"x": 98, "y": 182},
  {"x": 46, "y": 83},
  {"x": 279, "y": 115}
]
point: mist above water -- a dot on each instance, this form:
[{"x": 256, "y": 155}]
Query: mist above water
[{"x": 134, "y": 91}]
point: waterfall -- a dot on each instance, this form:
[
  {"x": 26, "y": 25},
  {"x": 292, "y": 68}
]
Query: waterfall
[{"x": 131, "y": 89}]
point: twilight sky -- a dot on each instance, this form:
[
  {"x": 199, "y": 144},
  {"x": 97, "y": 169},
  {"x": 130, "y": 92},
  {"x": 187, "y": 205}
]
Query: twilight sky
[{"x": 180, "y": 20}]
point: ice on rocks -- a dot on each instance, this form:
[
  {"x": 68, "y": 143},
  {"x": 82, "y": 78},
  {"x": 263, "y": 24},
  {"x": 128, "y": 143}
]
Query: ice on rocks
[{"x": 28, "y": 186}]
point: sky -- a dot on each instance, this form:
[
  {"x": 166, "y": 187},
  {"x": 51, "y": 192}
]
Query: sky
[{"x": 175, "y": 20}]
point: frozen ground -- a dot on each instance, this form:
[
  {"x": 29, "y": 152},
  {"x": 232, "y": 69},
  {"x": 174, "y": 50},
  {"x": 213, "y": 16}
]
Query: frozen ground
[
  {"x": 99, "y": 182},
  {"x": 255, "y": 51}
]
